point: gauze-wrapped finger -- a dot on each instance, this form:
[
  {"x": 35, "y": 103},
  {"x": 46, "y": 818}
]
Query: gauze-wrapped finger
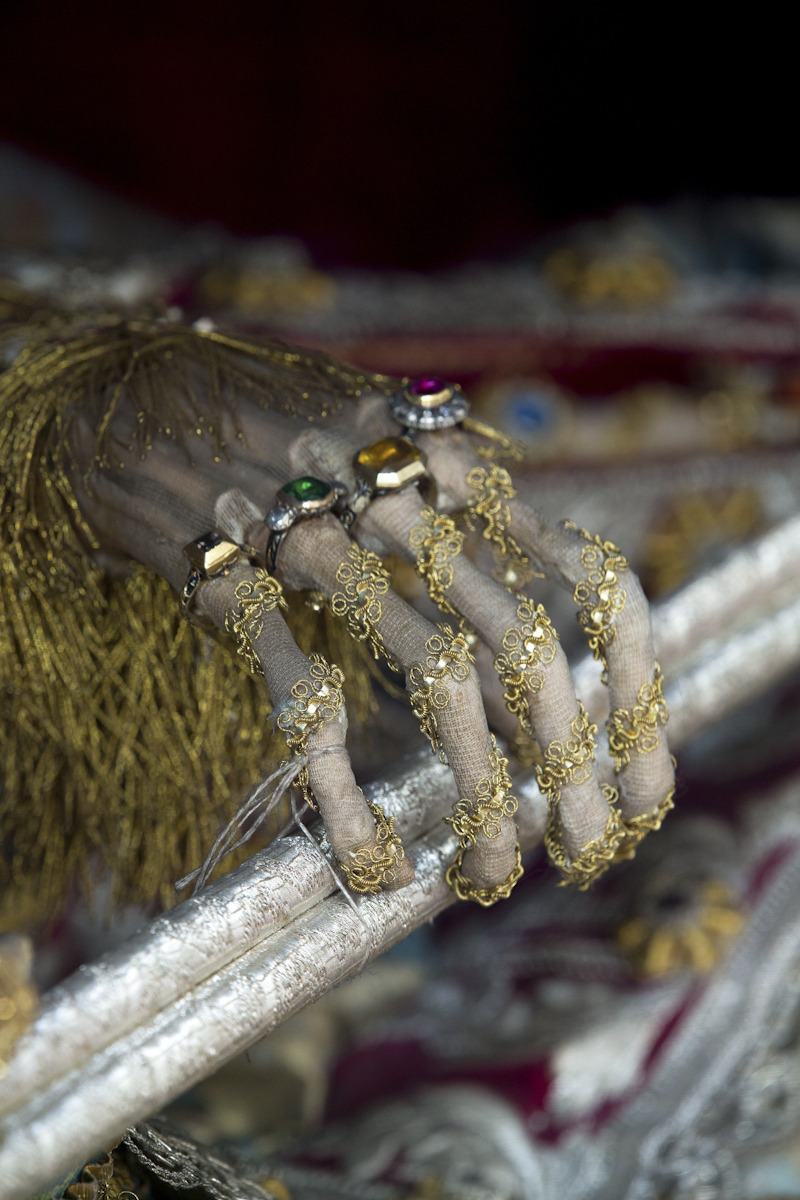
[
  {"x": 615, "y": 616},
  {"x": 163, "y": 515},
  {"x": 308, "y": 708},
  {"x": 439, "y": 675},
  {"x": 528, "y": 657}
]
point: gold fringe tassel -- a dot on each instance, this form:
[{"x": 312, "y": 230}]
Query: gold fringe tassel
[{"x": 127, "y": 736}]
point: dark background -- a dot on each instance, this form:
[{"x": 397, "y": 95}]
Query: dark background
[{"x": 397, "y": 132}]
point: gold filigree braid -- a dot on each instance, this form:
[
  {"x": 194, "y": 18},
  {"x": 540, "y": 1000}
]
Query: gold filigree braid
[
  {"x": 447, "y": 659},
  {"x": 254, "y": 599},
  {"x": 600, "y": 596},
  {"x": 370, "y": 868},
  {"x": 527, "y": 647}
]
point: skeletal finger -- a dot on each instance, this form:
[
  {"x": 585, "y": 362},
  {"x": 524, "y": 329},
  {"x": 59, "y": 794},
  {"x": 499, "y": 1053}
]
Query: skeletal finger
[
  {"x": 615, "y": 617},
  {"x": 531, "y": 664},
  {"x": 154, "y": 531},
  {"x": 444, "y": 687},
  {"x": 308, "y": 708}
]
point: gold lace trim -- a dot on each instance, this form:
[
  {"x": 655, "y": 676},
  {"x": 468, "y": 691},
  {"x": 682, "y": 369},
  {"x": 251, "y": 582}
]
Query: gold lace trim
[
  {"x": 600, "y": 596},
  {"x": 493, "y": 801},
  {"x": 364, "y": 580},
  {"x": 596, "y": 856},
  {"x": 447, "y": 659},
  {"x": 635, "y": 829},
  {"x": 570, "y": 761},
  {"x": 495, "y": 489},
  {"x": 314, "y": 702},
  {"x": 484, "y": 814},
  {"x": 465, "y": 889},
  {"x": 526, "y": 648},
  {"x": 636, "y": 731},
  {"x": 436, "y": 542},
  {"x": 370, "y": 868},
  {"x": 254, "y": 599}
]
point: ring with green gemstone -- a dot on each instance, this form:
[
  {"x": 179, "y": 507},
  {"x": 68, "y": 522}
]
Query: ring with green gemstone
[
  {"x": 297, "y": 501},
  {"x": 388, "y": 465}
]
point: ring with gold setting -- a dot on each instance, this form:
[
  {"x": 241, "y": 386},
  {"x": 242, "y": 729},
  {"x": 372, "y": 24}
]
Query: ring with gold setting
[{"x": 388, "y": 465}]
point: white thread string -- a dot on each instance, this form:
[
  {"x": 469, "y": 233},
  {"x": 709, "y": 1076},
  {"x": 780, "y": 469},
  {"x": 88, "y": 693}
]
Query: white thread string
[
  {"x": 299, "y": 825},
  {"x": 261, "y": 801}
]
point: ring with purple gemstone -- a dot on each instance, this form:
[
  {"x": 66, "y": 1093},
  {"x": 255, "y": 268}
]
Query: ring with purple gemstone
[{"x": 428, "y": 403}]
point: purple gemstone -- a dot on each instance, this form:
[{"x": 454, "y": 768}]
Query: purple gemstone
[{"x": 427, "y": 385}]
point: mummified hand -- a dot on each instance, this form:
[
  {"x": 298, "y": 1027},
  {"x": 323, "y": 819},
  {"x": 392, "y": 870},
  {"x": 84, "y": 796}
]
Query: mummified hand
[{"x": 290, "y": 474}]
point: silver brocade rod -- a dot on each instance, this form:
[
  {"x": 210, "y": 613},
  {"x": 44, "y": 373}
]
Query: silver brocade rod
[{"x": 130, "y": 1032}]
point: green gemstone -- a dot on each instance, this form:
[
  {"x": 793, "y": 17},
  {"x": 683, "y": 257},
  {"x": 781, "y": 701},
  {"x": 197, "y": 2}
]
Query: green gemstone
[{"x": 306, "y": 488}]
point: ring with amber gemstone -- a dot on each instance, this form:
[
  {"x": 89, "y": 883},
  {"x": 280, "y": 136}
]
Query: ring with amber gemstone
[
  {"x": 210, "y": 556},
  {"x": 428, "y": 403},
  {"x": 388, "y": 465},
  {"x": 297, "y": 501}
]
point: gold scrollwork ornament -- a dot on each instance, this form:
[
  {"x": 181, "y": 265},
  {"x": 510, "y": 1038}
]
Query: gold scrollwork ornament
[
  {"x": 600, "y": 596},
  {"x": 447, "y": 659},
  {"x": 369, "y": 869},
  {"x": 527, "y": 647},
  {"x": 254, "y": 599},
  {"x": 363, "y": 579}
]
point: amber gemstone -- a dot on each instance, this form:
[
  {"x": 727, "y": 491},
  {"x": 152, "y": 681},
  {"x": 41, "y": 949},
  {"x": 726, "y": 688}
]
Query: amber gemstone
[{"x": 390, "y": 463}]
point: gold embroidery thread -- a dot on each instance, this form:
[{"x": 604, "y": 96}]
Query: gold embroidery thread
[
  {"x": 635, "y": 731},
  {"x": 436, "y": 542},
  {"x": 447, "y": 659},
  {"x": 254, "y": 599},
  {"x": 364, "y": 580},
  {"x": 527, "y": 647},
  {"x": 370, "y": 868},
  {"x": 599, "y": 597}
]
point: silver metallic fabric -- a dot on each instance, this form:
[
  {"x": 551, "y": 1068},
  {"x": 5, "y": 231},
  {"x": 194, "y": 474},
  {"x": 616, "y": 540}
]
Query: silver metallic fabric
[{"x": 200, "y": 984}]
